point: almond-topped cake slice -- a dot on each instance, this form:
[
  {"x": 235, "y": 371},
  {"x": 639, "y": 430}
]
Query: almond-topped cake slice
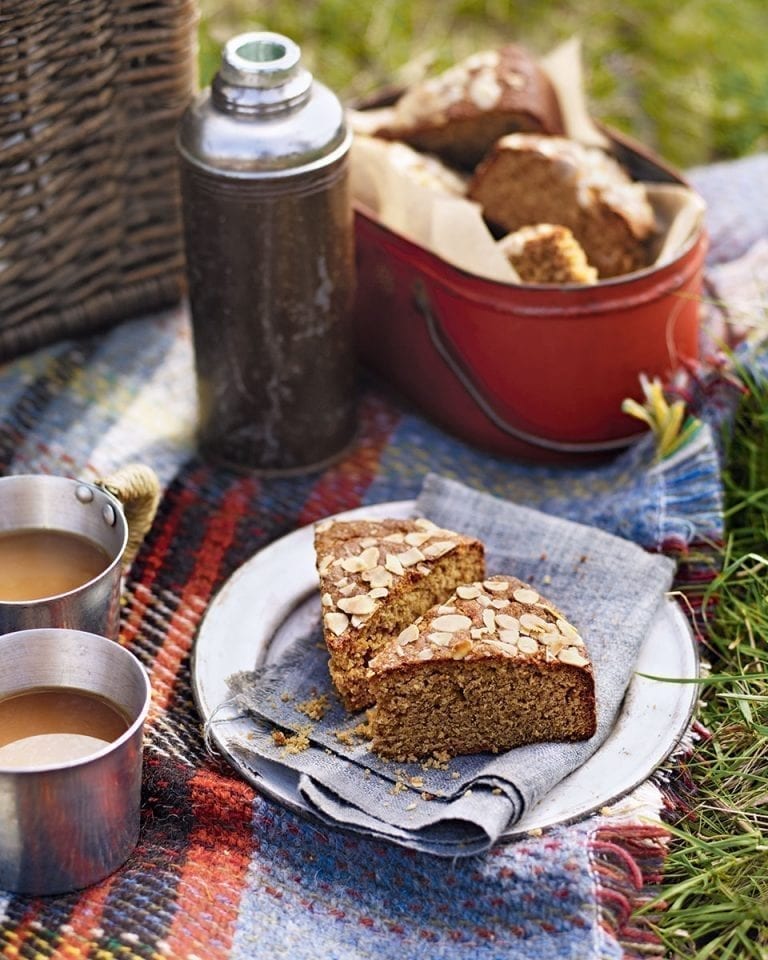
[
  {"x": 496, "y": 666},
  {"x": 378, "y": 576}
]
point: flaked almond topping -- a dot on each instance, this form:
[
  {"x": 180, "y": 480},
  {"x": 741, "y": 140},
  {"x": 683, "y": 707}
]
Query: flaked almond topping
[
  {"x": 359, "y": 621},
  {"x": 509, "y": 636},
  {"x": 506, "y": 622},
  {"x": 495, "y": 586},
  {"x": 423, "y": 524},
  {"x": 326, "y": 600},
  {"x": 347, "y": 589},
  {"x": 568, "y": 630},
  {"x": 408, "y": 635},
  {"x": 461, "y": 648},
  {"x": 378, "y": 577},
  {"x": 440, "y": 638},
  {"x": 352, "y": 564},
  {"x": 500, "y": 603},
  {"x": 368, "y": 542},
  {"x": 525, "y": 595},
  {"x": 394, "y": 538},
  {"x": 489, "y": 619},
  {"x": 424, "y": 654},
  {"x": 468, "y": 591},
  {"x": 477, "y": 633},
  {"x": 527, "y": 645},
  {"x": 378, "y": 592},
  {"x": 416, "y": 537},
  {"x": 423, "y": 569},
  {"x": 533, "y": 623},
  {"x": 515, "y": 80},
  {"x": 337, "y": 623},
  {"x": 361, "y": 605},
  {"x": 399, "y": 650},
  {"x": 323, "y": 526},
  {"x": 393, "y": 564},
  {"x": 484, "y": 601},
  {"x": 510, "y": 649},
  {"x": 446, "y": 608},
  {"x": 439, "y": 548},
  {"x": 484, "y": 91},
  {"x": 572, "y": 656},
  {"x": 452, "y": 622},
  {"x": 554, "y": 642},
  {"x": 410, "y": 557},
  {"x": 369, "y": 558},
  {"x": 325, "y": 562}
]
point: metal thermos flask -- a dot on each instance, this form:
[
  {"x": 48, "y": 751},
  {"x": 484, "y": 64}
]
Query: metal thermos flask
[{"x": 270, "y": 260}]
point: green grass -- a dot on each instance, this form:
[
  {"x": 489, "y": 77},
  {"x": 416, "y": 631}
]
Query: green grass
[
  {"x": 716, "y": 879},
  {"x": 688, "y": 79}
]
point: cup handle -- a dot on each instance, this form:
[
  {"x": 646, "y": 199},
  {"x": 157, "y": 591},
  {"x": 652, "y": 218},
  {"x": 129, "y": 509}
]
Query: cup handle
[{"x": 137, "y": 487}]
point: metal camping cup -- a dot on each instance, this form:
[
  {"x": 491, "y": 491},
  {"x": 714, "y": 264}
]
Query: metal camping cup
[
  {"x": 268, "y": 229},
  {"x": 32, "y": 502},
  {"x": 68, "y": 825}
]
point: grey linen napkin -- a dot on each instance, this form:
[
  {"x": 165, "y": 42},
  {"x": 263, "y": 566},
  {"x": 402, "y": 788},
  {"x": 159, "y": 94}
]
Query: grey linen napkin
[{"x": 608, "y": 587}]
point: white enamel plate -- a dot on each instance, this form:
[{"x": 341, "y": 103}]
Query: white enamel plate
[{"x": 272, "y": 599}]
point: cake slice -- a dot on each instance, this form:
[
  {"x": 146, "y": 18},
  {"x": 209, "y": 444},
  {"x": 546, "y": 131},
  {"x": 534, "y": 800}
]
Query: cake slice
[
  {"x": 460, "y": 113},
  {"x": 378, "y": 576},
  {"x": 528, "y": 179},
  {"x": 547, "y": 253},
  {"x": 496, "y": 666}
]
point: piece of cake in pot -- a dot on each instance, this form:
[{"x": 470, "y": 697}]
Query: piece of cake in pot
[
  {"x": 376, "y": 577},
  {"x": 460, "y": 113},
  {"x": 547, "y": 253},
  {"x": 528, "y": 179},
  {"x": 496, "y": 666}
]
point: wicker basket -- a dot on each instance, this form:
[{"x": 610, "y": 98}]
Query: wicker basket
[{"x": 90, "y": 93}]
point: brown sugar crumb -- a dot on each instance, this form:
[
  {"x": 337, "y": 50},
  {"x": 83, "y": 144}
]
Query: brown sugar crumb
[
  {"x": 297, "y": 742},
  {"x": 438, "y": 761},
  {"x": 315, "y": 708}
]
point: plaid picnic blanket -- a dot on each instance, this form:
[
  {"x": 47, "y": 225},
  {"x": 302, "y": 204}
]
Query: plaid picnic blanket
[{"x": 222, "y": 872}]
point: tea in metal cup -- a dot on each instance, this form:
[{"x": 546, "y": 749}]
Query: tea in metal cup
[
  {"x": 33, "y": 502},
  {"x": 66, "y": 824}
]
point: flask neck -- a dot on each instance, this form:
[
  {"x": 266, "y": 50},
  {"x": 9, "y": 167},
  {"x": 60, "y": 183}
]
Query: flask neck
[{"x": 260, "y": 73}]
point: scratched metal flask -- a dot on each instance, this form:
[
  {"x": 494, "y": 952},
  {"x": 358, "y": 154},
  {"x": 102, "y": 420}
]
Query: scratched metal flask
[{"x": 270, "y": 260}]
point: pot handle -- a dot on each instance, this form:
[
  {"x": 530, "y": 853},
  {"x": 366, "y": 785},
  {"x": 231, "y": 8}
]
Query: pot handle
[
  {"x": 137, "y": 487},
  {"x": 459, "y": 368}
]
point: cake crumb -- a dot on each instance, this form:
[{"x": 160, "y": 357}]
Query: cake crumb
[
  {"x": 297, "y": 742},
  {"x": 411, "y": 806},
  {"x": 398, "y": 787},
  {"x": 497, "y": 791},
  {"x": 416, "y": 781},
  {"x": 316, "y": 707},
  {"x": 438, "y": 761},
  {"x": 286, "y": 697},
  {"x": 454, "y": 775},
  {"x": 535, "y": 832}
]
